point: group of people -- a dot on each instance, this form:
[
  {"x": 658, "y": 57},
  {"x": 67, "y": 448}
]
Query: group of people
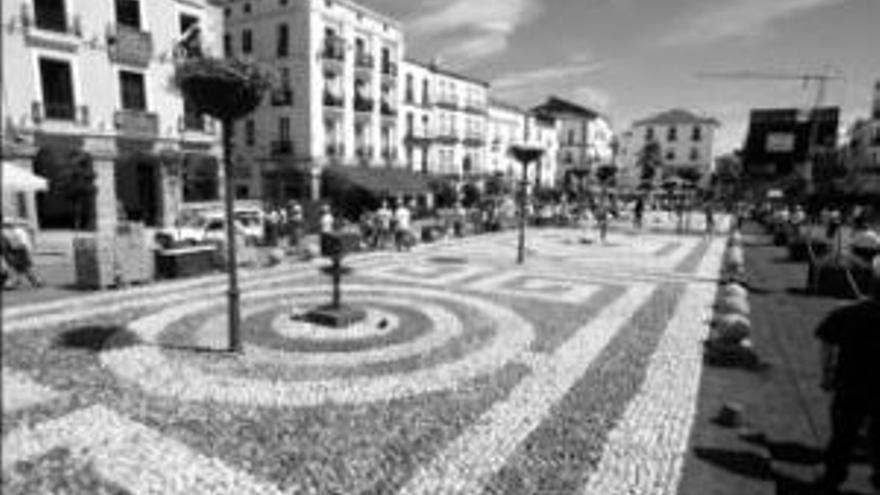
[
  {"x": 388, "y": 227},
  {"x": 285, "y": 226}
]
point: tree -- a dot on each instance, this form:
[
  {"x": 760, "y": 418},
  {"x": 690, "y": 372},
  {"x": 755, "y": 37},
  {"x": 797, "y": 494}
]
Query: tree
[
  {"x": 650, "y": 161},
  {"x": 607, "y": 174},
  {"x": 76, "y": 183}
]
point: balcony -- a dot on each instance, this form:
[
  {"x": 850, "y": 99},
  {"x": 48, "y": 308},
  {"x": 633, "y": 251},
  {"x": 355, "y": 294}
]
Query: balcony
[
  {"x": 334, "y": 49},
  {"x": 447, "y": 137},
  {"x": 363, "y": 104},
  {"x": 387, "y": 110},
  {"x": 364, "y": 151},
  {"x": 364, "y": 61},
  {"x": 417, "y": 139},
  {"x": 474, "y": 141},
  {"x": 60, "y": 111},
  {"x": 447, "y": 103},
  {"x": 335, "y": 150},
  {"x": 474, "y": 108},
  {"x": 331, "y": 100},
  {"x": 136, "y": 123},
  {"x": 389, "y": 69},
  {"x": 282, "y": 97},
  {"x": 281, "y": 147},
  {"x": 126, "y": 45},
  {"x": 389, "y": 154}
]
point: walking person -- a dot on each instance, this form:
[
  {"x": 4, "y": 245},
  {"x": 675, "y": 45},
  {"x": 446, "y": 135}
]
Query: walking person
[
  {"x": 402, "y": 235},
  {"x": 850, "y": 351},
  {"x": 710, "y": 218},
  {"x": 383, "y": 218},
  {"x": 17, "y": 252},
  {"x": 639, "y": 212},
  {"x": 295, "y": 222}
]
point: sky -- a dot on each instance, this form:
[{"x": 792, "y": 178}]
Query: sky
[{"x": 632, "y": 58}]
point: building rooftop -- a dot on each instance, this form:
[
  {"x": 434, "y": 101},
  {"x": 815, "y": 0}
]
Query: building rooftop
[
  {"x": 557, "y": 106},
  {"x": 676, "y": 116},
  {"x": 436, "y": 67},
  {"x": 360, "y": 9},
  {"x": 495, "y": 102}
]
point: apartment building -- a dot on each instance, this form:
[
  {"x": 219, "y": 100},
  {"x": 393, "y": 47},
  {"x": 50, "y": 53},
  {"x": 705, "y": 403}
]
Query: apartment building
[
  {"x": 687, "y": 141},
  {"x": 584, "y": 137},
  {"x": 447, "y": 113},
  {"x": 91, "y": 79},
  {"x": 507, "y": 126},
  {"x": 338, "y": 100},
  {"x": 418, "y": 117}
]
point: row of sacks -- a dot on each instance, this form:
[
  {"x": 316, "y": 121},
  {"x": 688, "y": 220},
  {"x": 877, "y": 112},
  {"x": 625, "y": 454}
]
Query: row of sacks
[{"x": 731, "y": 325}]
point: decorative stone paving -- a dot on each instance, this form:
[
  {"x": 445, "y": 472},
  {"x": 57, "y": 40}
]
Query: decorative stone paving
[
  {"x": 454, "y": 302},
  {"x": 131, "y": 455},
  {"x": 20, "y": 392},
  {"x": 463, "y": 466},
  {"x": 645, "y": 451}
]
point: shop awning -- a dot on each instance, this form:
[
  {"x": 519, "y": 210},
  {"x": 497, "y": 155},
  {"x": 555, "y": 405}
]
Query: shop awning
[
  {"x": 380, "y": 180},
  {"x": 18, "y": 179}
]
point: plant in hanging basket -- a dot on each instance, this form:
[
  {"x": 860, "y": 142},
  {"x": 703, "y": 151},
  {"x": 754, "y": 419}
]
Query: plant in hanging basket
[{"x": 225, "y": 89}]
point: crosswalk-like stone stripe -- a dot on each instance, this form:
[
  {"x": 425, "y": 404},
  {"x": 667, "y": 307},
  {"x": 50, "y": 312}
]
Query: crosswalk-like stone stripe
[
  {"x": 645, "y": 451},
  {"x": 20, "y": 392},
  {"x": 464, "y": 465},
  {"x": 131, "y": 455}
]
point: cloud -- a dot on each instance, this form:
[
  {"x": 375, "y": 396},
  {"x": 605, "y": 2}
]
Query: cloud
[
  {"x": 481, "y": 28},
  {"x": 592, "y": 97},
  {"x": 729, "y": 19},
  {"x": 544, "y": 75}
]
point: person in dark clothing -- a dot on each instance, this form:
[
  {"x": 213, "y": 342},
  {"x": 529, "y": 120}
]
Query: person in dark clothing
[{"x": 850, "y": 338}]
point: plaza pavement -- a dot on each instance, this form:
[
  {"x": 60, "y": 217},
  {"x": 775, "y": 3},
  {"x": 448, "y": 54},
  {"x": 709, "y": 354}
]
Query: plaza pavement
[{"x": 514, "y": 349}]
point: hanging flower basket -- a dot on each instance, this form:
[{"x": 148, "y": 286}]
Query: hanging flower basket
[{"x": 224, "y": 89}]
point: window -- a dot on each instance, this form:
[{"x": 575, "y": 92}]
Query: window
[
  {"x": 672, "y": 134},
  {"x": 50, "y": 15},
  {"x": 247, "y": 41},
  {"x": 569, "y": 157},
  {"x": 697, "y": 133},
  {"x": 57, "y": 85},
  {"x": 133, "y": 92},
  {"x": 425, "y": 99},
  {"x": 670, "y": 155},
  {"x": 285, "y": 77},
  {"x": 246, "y": 8},
  {"x": 284, "y": 128},
  {"x": 283, "y": 40},
  {"x": 250, "y": 133},
  {"x": 128, "y": 13},
  {"x": 409, "y": 88},
  {"x": 283, "y": 3},
  {"x": 186, "y": 22},
  {"x": 409, "y": 123},
  {"x": 695, "y": 154},
  {"x": 227, "y": 45},
  {"x": 649, "y": 134},
  {"x": 242, "y": 192},
  {"x": 425, "y": 122},
  {"x": 227, "y": 12},
  {"x": 570, "y": 137}
]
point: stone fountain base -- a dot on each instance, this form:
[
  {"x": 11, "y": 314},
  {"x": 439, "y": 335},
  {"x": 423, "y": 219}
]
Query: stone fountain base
[{"x": 340, "y": 316}]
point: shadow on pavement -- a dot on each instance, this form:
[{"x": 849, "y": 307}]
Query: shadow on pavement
[
  {"x": 742, "y": 463},
  {"x": 97, "y": 338}
]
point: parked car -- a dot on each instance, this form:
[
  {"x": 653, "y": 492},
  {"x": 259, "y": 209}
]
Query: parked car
[{"x": 201, "y": 228}]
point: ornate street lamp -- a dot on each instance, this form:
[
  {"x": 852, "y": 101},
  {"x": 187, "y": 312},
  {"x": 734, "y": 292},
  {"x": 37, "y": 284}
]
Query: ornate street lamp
[
  {"x": 525, "y": 155},
  {"x": 226, "y": 90}
]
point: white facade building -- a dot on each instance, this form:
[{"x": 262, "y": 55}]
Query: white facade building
[
  {"x": 92, "y": 77},
  {"x": 339, "y": 95},
  {"x": 418, "y": 118},
  {"x": 687, "y": 141},
  {"x": 507, "y": 126}
]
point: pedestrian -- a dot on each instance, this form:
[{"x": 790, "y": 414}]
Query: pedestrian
[
  {"x": 327, "y": 222},
  {"x": 601, "y": 215},
  {"x": 710, "y": 219},
  {"x": 639, "y": 212},
  {"x": 402, "y": 217},
  {"x": 17, "y": 252},
  {"x": 295, "y": 225},
  {"x": 850, "y": 352},
  {"x": 383, "y": 220}
]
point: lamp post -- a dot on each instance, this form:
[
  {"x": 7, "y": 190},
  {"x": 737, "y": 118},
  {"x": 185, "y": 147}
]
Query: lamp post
[{"x": 524, "y": 154}]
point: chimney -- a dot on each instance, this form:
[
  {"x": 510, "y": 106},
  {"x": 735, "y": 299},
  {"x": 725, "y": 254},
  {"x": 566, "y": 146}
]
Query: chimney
[{"x": 875, "y": 114}]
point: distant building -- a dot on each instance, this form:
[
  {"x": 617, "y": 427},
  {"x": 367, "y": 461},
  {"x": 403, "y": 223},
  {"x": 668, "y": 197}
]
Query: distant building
[
  {"x": 93, "y": 77},
  {"x": 778, "y": 140},
  {"x": 338, "y": 100},
  {"x": 511, "y": 125},
  {"x": 687, "y": 141},
  {"x": 419, "y": 118},
  {"x": 584, "y": 136}
]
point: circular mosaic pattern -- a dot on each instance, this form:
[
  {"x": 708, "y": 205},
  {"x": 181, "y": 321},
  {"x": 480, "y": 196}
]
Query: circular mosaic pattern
[{"x": 449, "y": 321}]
